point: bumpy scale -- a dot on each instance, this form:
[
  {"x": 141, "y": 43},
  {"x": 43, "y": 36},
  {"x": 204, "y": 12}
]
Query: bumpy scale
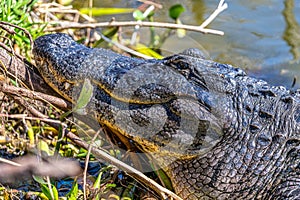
[{"x": 218, "y": 133}]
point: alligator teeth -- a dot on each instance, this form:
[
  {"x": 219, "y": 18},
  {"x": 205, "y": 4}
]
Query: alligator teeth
[{"x": 67, "y": 85}]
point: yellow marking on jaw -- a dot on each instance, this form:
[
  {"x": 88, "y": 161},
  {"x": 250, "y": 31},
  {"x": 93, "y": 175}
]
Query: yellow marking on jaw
[
  {"x": 56, "y": 89},
  {"x": 148, "y": 147},
  {"x": 127, "y": 100}
]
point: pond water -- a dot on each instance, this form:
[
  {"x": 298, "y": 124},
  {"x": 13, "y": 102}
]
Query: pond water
[{"x": 261, "y": 36}]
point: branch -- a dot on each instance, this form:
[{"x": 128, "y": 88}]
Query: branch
[
  {"x": 56, "y": 101},
  {"x": 221, "y": 7},
  {"x": 22, "y": 71},
  {"x": 69, "y": 25},
  {"x": 16, "y": 26}
]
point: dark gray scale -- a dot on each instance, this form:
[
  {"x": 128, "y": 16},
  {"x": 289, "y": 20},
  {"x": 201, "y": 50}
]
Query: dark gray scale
[{"x": 218, "y": 133}]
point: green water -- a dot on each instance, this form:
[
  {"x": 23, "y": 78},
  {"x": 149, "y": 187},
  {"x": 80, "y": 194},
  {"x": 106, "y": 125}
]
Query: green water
[{"x": 261, "y": 36}]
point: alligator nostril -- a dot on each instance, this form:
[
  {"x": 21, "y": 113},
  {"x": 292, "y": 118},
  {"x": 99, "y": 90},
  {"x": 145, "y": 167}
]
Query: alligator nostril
[
  {"x": 248, "y": 108},
  {"x": 254, "y": 127},
  {"x": 265, "y": 114}
]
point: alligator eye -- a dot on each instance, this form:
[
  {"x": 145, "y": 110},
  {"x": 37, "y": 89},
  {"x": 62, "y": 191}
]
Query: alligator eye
[
  {"x": 176, "y": 62},
  {"x": 182, "y": 65}
]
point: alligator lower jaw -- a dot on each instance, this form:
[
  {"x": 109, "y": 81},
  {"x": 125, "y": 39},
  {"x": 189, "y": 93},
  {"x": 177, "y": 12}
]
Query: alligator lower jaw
[{"x": 159, "y": 155}]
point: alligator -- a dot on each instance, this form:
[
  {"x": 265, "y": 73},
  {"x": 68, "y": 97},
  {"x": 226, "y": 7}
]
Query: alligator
[{"x": 216, "y": 132}]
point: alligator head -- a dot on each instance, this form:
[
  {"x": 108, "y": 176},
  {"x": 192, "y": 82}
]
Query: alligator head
[
  {"x": 163, "y": 102},
  {"x": 216, "y": 132}
]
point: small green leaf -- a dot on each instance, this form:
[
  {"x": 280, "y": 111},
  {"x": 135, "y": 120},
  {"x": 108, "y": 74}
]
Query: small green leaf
[
  {"x": 30, "y": 133},
  {"x": 176, "y": 10},
  {"x": 47, "y": 192},
  {"x": 72, "y": 195},
  {"x": 14, "y": 82},
  {"x": 147, "y": 51},
  {"x": 110, "y": 185},
  {"x": 43, "y": 146},
  {"x": 98, "y": 181},
  {"x": 138, "y": 15},
  {"x": 39, "y": 179},
  {"x": 85, "y": 96}
]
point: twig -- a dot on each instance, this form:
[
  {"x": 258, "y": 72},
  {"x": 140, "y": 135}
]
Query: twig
[
  {"x": 9, "y": 162},
  {"x": 24, "y": 116},
  {"x": 47, "y": 8},
  {"x": 24, "y": 71},
  {"x": 157, "y": 5},
  {"x": 87, "y": 159},
  {"x": 56, "y": 101},
  {"x": 126, "y": 49},
  {"x": 23, "y": 29},
  {"x": 98, "y": 152},
  {"x": 50, "y": 186},
  {"x": 10, "y": 50},
  {"x": 221, "y": 7},
  {"x": 69, "y": 25}
]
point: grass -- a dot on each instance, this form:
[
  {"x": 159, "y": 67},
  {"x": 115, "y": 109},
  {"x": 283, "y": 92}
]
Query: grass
[{"x": 18, "y": 13}]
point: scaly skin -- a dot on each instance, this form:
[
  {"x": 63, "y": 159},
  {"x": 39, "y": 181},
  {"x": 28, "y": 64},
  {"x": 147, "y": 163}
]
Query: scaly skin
[{"x": 218, "y": 133}]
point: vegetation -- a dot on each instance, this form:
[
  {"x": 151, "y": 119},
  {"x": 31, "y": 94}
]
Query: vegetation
[{"x": 19, "y": 36}]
